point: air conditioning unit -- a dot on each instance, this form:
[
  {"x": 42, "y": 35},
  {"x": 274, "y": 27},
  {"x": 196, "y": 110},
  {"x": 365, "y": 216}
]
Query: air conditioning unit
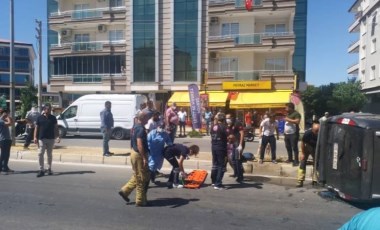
[
  {"x": 214, "y": 20},
  {"x": 214, "y": 55},
  {"x": 102, "y": 28},
  {"x": 66, "y": 33}
]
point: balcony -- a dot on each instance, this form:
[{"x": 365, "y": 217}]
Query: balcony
[
  {"x": 353, "y": 68},
  {"x": 354, "y": 47},
  {"x": 229, "y": 6},
  {"x": 98, "y": 14},
  {"x": 248, "y": 75},
  {"x": 255, "y": 39},
  {"x": 355, "y": 26},
  {"x": 85, "y": 47}
]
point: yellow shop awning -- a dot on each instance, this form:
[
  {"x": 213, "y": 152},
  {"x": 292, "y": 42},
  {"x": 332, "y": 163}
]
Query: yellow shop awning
[
  {"x": 216, "y": 99},
  {"x": 272, "y": 99}
]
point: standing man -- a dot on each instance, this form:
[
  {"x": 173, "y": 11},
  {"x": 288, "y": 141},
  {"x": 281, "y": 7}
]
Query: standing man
[
  {"x": 31, "y": 118},
  {"x": 255, "y": 121},
  {"x": 208, "y": 117},
  {"x": 139, "y": 161},
  {"x": 248, "y": 120},
  {"x": 236, "y": 129},
  {"x": 219, "y": 151},
  {"x": 149, "y": 109},
  {"x": 171, "y": 120},
  {"x": 308, "y": 146},
  {"x": 182, "y": 115},
  {"x": 45, "y": 132},
  {"x": 267, "y": 129},
  {"x": 291, "y": 131},
  {"x": 106, "y": 126},
  {"x": 5, "y": 141}
]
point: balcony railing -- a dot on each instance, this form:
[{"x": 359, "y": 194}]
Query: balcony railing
[
  {"x": 241, "y": 3},
  {"x": 256, "y": 38},
  {"x": 238, "y": 3},
  {"x": 87, "y": 46},
  {"x": 249, "y": 75},
  {"x": 87, "y": 78},
  {"x": 86, "y": 14}
]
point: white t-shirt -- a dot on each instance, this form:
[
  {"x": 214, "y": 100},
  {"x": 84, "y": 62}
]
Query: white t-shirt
[
  {"x": 182, "y": 116},
  {"x": 268, "y": 127}
]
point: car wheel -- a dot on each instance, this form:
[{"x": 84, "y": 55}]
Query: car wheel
[
  {"x": 61, "y": 132},
  {"x": 118, "y": 134}
]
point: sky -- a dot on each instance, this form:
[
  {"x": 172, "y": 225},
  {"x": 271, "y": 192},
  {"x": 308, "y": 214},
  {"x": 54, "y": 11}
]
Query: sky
[{"x": 327, "y": 36}]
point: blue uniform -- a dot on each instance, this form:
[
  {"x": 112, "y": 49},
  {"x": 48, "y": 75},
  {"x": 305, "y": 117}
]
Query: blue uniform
[{"x": 156, "y": 143}]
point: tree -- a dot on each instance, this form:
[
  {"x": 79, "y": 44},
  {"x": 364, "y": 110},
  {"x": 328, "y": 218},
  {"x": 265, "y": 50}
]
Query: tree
[
  {"x": 311, "y": 100},
  {"x": 347, "y": 96},
  {"x": 28, "y": 98}
]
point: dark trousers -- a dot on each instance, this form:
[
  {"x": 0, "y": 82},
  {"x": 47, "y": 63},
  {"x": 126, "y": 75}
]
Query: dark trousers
[
  {"x": 173, "y": 177},
  {"x": 264, "y": 142},
  {"x": 29, "y": 138},
  {"x": 291, "y": 144},
  {"x": 182, "y": 125},
  {"x": 5, "y": 147},
  {"x": 218, "y": 164}
]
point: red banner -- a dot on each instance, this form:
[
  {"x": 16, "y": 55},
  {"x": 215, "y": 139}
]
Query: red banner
[{"x": 248, "y": 4}]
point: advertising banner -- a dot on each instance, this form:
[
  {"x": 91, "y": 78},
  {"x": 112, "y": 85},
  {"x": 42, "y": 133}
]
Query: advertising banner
[{"x": 195, "y": 106}]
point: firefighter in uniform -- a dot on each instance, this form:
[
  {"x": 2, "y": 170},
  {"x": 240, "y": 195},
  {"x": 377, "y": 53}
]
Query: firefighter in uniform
[
  {"x": 139, "y": 161},
  {"x": 308, "y": 145},
  {"x": 219, "y": 151}
]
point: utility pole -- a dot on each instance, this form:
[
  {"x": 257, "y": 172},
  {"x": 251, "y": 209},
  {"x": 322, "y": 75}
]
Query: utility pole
[
  {"x": 39, "y": 38},
  {"x": 12, "y": 75}
]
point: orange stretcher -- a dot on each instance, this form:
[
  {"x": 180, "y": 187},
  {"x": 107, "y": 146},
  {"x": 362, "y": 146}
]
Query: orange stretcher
[{"x": 195, "y": 179}]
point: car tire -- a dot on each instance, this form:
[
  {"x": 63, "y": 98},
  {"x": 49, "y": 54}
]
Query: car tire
[
  {"x": 118, "y": 134},
  {"x": 61, "y": 132}
]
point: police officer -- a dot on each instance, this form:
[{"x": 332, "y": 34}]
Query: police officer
[
  {"x": 236, "y": 129},
  {"x": 308, "y": 145},
  {"x": 139, "y": 161},
  {"x": 219, "y": 151}
]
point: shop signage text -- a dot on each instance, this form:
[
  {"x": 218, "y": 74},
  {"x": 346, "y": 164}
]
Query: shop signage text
[{"x": 233, "y": 85}]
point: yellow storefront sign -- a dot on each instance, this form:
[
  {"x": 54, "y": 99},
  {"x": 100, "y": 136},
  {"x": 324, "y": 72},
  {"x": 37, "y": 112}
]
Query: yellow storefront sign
[{"x": 234, "y": 85}]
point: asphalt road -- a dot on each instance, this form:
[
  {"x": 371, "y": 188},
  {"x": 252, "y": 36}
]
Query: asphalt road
[
  {"x": 204, "y": 144},
  {"x": 85, "y": 197}
]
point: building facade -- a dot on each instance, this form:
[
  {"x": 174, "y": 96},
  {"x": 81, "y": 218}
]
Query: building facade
[
  {"x": 367, "y": 68},
  {"x": 125, "y": 46},
  {"x": 160, "y": 47},
  {"x": 24, "y": 56}
]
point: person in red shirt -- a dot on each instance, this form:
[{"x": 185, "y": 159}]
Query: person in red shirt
[{"x": 248, "y": 120}]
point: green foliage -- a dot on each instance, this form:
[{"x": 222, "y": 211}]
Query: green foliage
[
  {"x": 347, "y": 96},
  {"x": 194, "y": 133},
  {"x": 334, "y": 98},
  {"x": 28, "y": 98}
]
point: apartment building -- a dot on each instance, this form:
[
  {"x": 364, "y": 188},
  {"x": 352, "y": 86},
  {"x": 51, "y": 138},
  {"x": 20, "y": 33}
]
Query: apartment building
[
  {"x": 259, "y": 53},
  {"x": 24, "y": 57},
  {"x": 125, "y": 46},
  {"x": 367, "y": 68}
]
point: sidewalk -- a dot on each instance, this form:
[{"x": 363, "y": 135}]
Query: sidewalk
[{"x": 90, "y": 155}]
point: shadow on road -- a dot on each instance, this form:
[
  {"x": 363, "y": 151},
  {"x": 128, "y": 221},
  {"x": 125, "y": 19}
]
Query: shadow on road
[
  {"x": 54, "y": 173},
  {"x": 173, "y": 202},
  {"x": 244, "y": 185}
]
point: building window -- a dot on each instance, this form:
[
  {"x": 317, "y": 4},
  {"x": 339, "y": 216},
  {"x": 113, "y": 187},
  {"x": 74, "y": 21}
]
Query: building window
[
  {"x": 363, "y": 54},
  {"x": 230, "y": 29},
  {"x": 275, "y": 64},
  {"x": 373, "y": 45},
  {"x": 372, "y": 74},
  {"x": 364, "y": 26},
  {"x": 228, "y": 64},
  {"x": 374, "y": 23},
  {"x": 116, "y": 3},
  {"x": 275, "y": 28},
  {"x": 116, "y": 35},
  {"x": 186, "y": 40},
  {"x": 362, "y": 76},
  {"x": 144, "y": 60}
]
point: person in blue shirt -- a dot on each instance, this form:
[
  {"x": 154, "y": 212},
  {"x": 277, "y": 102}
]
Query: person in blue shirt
[
  {"x": 367, "y": 220},
  {"x": 208, "y": 118},
  {"x": 106, "y": 126},
  {"x": 182, "y": 152},
  {"x": 157, "y": 138}
]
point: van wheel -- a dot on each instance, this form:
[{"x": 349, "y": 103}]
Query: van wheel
[
  {"x": 118, "y": 134},
  {"x": 61, "y": 132}
]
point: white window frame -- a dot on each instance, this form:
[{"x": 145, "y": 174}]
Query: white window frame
[
  {"x": 372, "y": 74},
  {"x": 275, "y": 60},
  {"x": 362, "y": 76},
  {"x": 373, "y": 45},
  {"x": 113, "y": 35},
  {"x": 230, "y": 33},
  {"x": 229, "y": 64}
]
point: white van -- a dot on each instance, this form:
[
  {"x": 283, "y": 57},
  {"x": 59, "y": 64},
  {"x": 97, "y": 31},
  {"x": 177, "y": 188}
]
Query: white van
[{"x": 82, "y": 117}]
